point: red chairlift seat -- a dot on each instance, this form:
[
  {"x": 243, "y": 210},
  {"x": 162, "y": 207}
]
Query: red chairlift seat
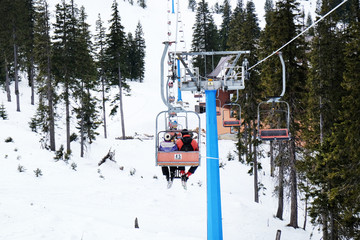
[
  {"x": 232, "y": 123},
  {"x": 274, "y": 134}
]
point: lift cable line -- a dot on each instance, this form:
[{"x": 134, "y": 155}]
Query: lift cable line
[{"x": 307, "y": 29}]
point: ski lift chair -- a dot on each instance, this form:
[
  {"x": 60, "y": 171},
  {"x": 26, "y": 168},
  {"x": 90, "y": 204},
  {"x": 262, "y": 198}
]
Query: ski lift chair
[
  {"x": 232, "y": 121},
  {"x": 178, "y": 158},
  {"x": 273, "y": 107}
]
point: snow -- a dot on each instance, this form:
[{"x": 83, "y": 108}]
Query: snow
[{"x": 103, "y": 202}]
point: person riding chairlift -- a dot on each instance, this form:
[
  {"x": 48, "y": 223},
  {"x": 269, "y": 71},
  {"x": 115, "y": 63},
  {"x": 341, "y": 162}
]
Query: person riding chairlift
[
  {"x": 168, "y": 145},
  {"x": 187, "y": 143}
]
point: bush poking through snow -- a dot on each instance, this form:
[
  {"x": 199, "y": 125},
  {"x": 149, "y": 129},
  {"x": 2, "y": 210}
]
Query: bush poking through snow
[
  {"x": 100, "y": 175},
  {"x": 74, "y": 166},
  {"x": 21, "y": 168},
  {"x": 230, "y": 157},
  {"x": 9, "y": 139},
  {"x": 222, "y": 165},
  {"x": 61, "y": 154},
  {"x": 3, "y": 113},
  {"x": 132, "y": 171},
  {"x": 38, "y": 172}
]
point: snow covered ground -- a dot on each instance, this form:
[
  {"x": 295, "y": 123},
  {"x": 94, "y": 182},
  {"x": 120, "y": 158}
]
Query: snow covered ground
[{"x": 103, "y": 202}]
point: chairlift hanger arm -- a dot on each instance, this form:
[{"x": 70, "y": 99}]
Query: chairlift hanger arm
[
  {"x": 186, "y": 67},
  {"x": 233, "y": 64},
  {"x": 162, "y": 80}
]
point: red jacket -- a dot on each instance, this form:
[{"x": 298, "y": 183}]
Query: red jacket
[{"x": 194, "y": 143}]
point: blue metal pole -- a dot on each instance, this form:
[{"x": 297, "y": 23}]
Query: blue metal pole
[
  {"x": 214, "y": 222},
  {"x": 173, "y": 7},
  {"x": 179, "y": 92}
]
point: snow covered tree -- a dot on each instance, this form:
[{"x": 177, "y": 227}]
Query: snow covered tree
[
  {"x": 142, "y": 3},
  {"x": 192, "y": 5}
]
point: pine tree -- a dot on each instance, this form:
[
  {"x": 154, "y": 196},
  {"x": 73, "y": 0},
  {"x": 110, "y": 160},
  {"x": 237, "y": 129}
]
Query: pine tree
[
  {"x": 142, "y": 3},
  {"x": 3, "y": 113},
  {"x": 245, "y": 36},
  {"x": 236, "y": 26},
  {"x": 192, "y": 5},
  {"x": 332, "y": 98},
  {"x": 29, "y": 45},
  {"x": 5, "y": 44},
  {"x": 131, "y": 57},
  {"x": 100, "y": 45},
  {"x": 64, "y": 58},
  {"x": 225, "y": 25},
  {"x": 42, "y": 57},
  {"x": 140, "y": 52},
  {"x": 116, "y": 57},
  {"x": 87, "y": 113},
  {"x": 205, "y": 38}
]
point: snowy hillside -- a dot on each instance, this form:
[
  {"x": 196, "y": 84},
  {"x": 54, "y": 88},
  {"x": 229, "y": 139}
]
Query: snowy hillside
[{"x": 79, "y": 200}]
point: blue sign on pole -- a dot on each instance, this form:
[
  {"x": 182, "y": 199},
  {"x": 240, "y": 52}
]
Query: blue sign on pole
[{"x": 214, "y": 222}]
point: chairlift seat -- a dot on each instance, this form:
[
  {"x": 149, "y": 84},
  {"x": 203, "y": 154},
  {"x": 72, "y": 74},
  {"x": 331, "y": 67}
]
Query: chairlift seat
[
  {"x": 232, "y": 123},
  {"x": 274, "y": 134},
  {"x": 178, "y": 158}
]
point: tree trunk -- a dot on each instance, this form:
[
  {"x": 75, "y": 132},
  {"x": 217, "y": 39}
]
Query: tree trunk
[
  {"x": 293, "y": 187},
  {"x": 278, "y": 235},
  {"x": 121, "y": 105},
  {"x": 272, "y": 163},
  {"x": 31, "y": 80},
  {"x": 325, "y": 230},
  {"x": 50, "y": 107},
  {"x": 306, "y": 208},
  {"x": 103, "y": 104},
  {"x": 7, "y": 81},
  {"x": 67, "y": 114},
  {"x": 17, "y": 93},
  {"x": 82, "y": 121},
  {"x": 50, "y": 93},
  {"x": 256, "y": 186},
  {"x": 246, "y": 142},
  {"x": 280, "y": 209}
]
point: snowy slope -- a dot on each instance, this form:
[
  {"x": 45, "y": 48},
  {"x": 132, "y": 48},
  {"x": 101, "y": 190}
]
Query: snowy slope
[{"x": 95, "y": 202}]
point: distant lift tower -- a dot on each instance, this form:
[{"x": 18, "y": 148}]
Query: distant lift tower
[{"x": 227, "y": 75}]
